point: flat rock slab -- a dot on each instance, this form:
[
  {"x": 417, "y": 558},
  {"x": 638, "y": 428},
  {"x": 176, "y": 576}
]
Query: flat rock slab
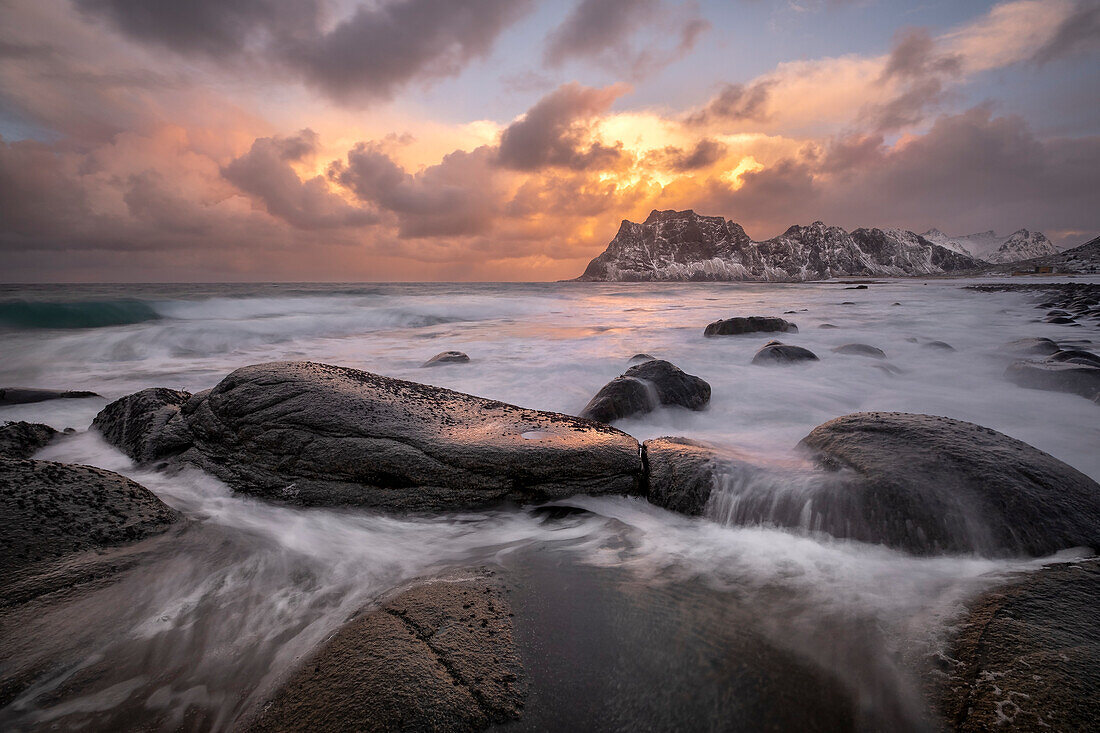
[
  {"x": 1076, "y": 378},
  {"x": 751, "y": 324},
  {"x": 24, "y": 439},
  {"x": 1027, "y": 656},
  {"x": 316, "y": 434},
  {"x": 49, "y": 509},
  {"x": 26, "y": 395},
  {"x": 439, "y": 657},
  {"x": 932, "y": 484}
]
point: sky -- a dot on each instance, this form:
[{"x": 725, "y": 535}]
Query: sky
[{"x": 343, "y": 140}]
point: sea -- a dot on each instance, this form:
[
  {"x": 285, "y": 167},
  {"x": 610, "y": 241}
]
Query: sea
[{"x": 201, "y": 638}]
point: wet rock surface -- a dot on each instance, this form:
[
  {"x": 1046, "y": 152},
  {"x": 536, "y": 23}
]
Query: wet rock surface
[
  {"x": 644, "y": 387},
  {"x": 776, "y": 353},
  {"x": 680, "y": 473},
  {"x": 1027, "y": 655},
  {"x": 26, "y": 395},
  {"x": 751, "y": 324},
  {"x": 48, "y": 510},
  {"x": 315, "y": 434},
  {"x": 861, "y": 350},
  {"x": 933, "y": 485},
  {"x": 135, "y": 424},
  {"x": 1032, "y": 346},
  {"x": 447, "y": 357},
  {"x": 1067, "y": 376},
  {"x": 438, "y": 657},
  {"x": 24, "y": 439}
]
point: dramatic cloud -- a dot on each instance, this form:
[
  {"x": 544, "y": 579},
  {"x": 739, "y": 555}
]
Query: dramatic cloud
[
  {"x": 556, "y": 132},
  {"x": 705, "y": 154},
  {"x": 633, "y": 38},
  {"x": 735, "y": 103},
  {"x": 265, "y": 172}
]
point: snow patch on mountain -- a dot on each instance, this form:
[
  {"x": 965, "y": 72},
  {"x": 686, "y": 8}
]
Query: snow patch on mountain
[{"x": 988, "y": 246}]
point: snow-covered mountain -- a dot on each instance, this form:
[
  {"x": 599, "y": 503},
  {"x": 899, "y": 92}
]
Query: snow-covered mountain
[
  {"x": 1020, "y": 245},
  {"x": 682, "y": 245}
]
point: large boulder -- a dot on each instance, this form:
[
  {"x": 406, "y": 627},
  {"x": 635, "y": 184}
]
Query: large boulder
[
  {"x": 135, "y": 424},
  {"x": 680, "y": 473},
  {"x": 932, "y": 484},
  {"x": 48, "y": 510},
  {"x": 777, "y": 353},
  {"x": 751, "y": 324},
  {"x": 439, "y": 657},
  {"x": 26, "y": 395},
  {"x": 1027, "y": 654},
  {"x": 24, "y": 439},
  {"x": 1068, "y": 376},
  {"x": 316, "y": 434},
  {"x": 645, "y": 386}
]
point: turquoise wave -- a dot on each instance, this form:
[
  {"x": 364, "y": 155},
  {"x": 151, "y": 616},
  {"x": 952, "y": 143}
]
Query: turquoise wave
[{"x": 29, "y": 315}]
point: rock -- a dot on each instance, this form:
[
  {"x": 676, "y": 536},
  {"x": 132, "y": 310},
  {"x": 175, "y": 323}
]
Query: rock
[
  {"x": 1075, "y": 378},
  {"x": 641, "y": 357},
  {"x": 446, "y": 357},
  {"x": 848, "y": 302},
  {"x": 861, "y": 350},
  {"x": 856, "y": 287},
  {"x": 25, "y": 395},
  {"x": 644, "y": 387},
  {"x": 136, "y": 424},
  {"x": 49, "y": 509},
  {"x": 934, "y": 485},
  {"x": 1076, "y": 356},
  {"x": 439, "y": 657},
  {"x": 315, "y": 434},
  {"x": 828, "y": 325},
  {"x": 681, "y": 473},
  {"x": 895, "y": 303},
  {"x": 938, "y": 345},
  {"x": 24, "y": 439},
  {"x": 1064, "y": 320},
  {"x": 752, "y": 324},
  {"x": 779, "y": 353},
  {"x": 1029, "y": 346},
  {"x": 1027, "y": 655}
]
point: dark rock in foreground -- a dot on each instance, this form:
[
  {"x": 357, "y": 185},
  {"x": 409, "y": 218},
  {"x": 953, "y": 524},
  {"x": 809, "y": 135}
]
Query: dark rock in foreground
[
  {"x": 1027, "y": 656},
  {"x": 752, "y": 324},
  {"x": 644, "y": 387},
  {"x": 49, "y": 509},
  {"x": 24, "y": 439},
  {"x": 447, "y": 357},
  {"x": 861, "y": 350},
  {"x": 25, "y": 395},
  {"x": 932, "y": 484},
  {"x": 1075, "y": 378},
  {"x": 778, "y": 353},
  {"x": 439, "y": 657},
  {"x": 135, "y": 424},
  {"x": 679, "y": 473},
  {"x": 316, "y": 434}
]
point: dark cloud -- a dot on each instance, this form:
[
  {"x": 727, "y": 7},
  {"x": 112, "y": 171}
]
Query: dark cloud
[
  {"x": 453, "y": 198},
  {"x": 1079, "y": 32},
  {"x": 705, "y": 153},
  {"x": 735, "y": 103},
  {"x": 265, "y": 172},
  {"x": 217, "y": 28},
  {"x": 922, "y": 74},
  {"x": 634, "y": 38},
  {"x": 555, "y": 132},
  {"x": 367, "y": 56},
  {"x": 39, "y": 198}
]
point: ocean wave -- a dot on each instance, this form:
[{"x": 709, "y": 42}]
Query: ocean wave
[{"x": 31, "y": 315}]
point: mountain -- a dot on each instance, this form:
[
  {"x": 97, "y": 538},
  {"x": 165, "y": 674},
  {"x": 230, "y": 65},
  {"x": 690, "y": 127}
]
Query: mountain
[
  {"x": 1018, "y": 246},
  {"x": 1083, "y": 259},
  {"x": 682, "y": 245}
]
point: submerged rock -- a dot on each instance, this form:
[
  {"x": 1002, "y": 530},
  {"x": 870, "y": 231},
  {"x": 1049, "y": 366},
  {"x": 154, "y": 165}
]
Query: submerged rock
[
  {"x": 1076, "y": 356},
  {"x": 777, "y": 353},
  {"x": 932, "y": 484},
  {"x": 49, "y": 509},
  {"x": 861, "y": 350},
  {"x": 1027, "y": 655},
  {"x": 24, "y": 439},
  {"x": 644, "y": 387},
  {"x": 439, "y": 657},
  {"x": 136, "y": 424},
  {"x": 1075, "y": 378},
  {"x": 447, "y": 357},
  {"x": 1029, "y": 346},
  {"x": 938, "y": 346},
  {"x": 752, "y": 324},
  {"x": 316, "y": 434},
  {"x": 25, "y": 395}
]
